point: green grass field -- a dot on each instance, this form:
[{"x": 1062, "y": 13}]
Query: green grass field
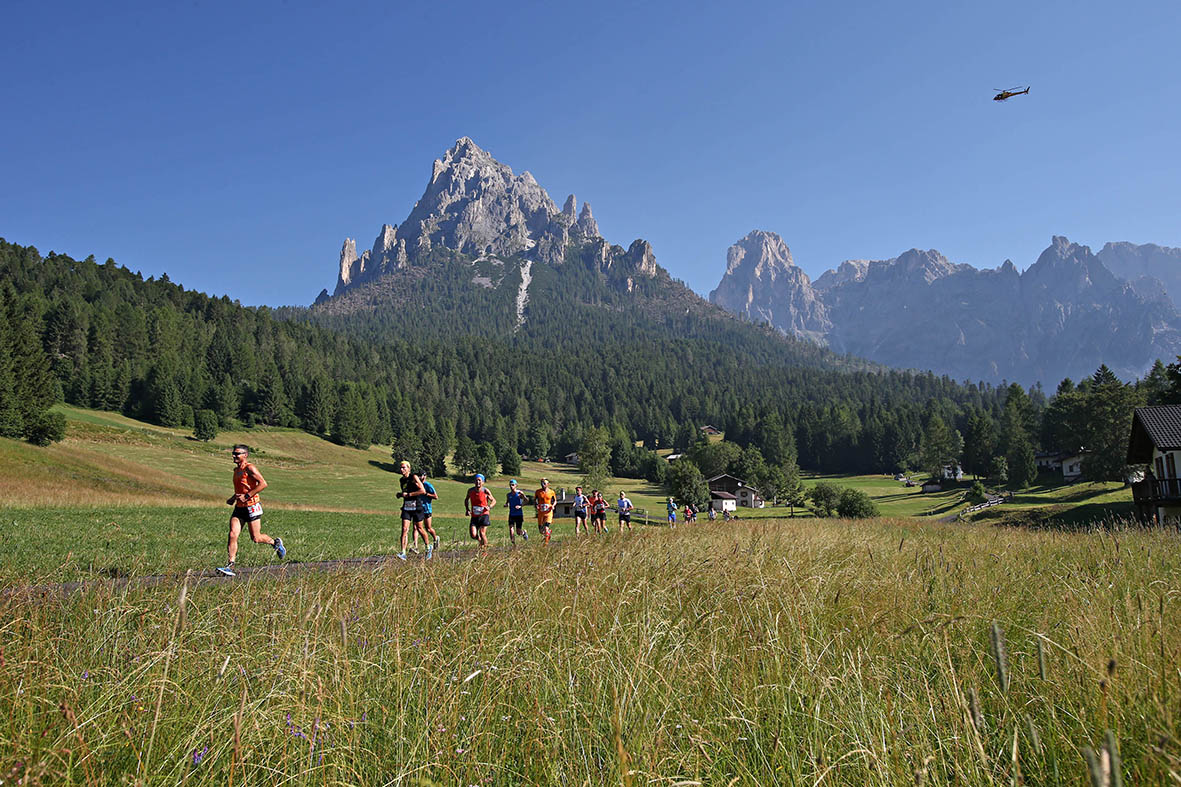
[
  {"x": 765, "y": 651},
  {"x": 123, "y": 498},
  {"x": 808, "y": 652}
]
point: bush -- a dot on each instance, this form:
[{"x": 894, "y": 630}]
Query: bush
[
  {"x": 49, "y": 427},
  {"x": 855, "y": 504},
  {"x": 206, "y": 425},
  {"x": 977, "y": 494},
  {"x": 825, "y": 496}
]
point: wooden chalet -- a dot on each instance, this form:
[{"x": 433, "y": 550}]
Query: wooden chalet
[{"x": 1156, "y": 441}]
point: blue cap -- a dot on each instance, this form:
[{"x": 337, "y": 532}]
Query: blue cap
[
  {"x": 479, "y": 476},
  {"x": 513, "y": 481}
]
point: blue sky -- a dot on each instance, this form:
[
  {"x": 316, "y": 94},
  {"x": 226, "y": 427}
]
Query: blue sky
[{"x": 235, "y": 146}]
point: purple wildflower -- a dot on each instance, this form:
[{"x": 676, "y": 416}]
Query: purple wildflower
[
  {"x": 85, "y": 674},
  {"x": 199, "y": 755}
]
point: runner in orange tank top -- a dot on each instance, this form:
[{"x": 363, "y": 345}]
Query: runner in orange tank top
[
  {"x": 543, "y": 501},
  {"x": 248, "y": 482}
]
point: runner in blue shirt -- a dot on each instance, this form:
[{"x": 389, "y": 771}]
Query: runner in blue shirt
[
  {"x": 424, "y": 503},
  {"x": 516, "y": 512}
]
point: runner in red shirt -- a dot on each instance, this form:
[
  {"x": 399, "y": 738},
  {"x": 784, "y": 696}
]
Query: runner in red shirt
[{"x": 478, "y": 505}]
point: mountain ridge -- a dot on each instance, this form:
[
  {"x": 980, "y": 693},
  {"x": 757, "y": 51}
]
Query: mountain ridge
[{"x": 1066, "y": 314}]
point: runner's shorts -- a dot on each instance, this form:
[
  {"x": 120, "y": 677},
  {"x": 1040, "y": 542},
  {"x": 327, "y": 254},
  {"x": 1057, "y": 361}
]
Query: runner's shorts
[
  {"x": 516, "y": 521},
  {"x": 248, "y": 514},
  {"x": 480, "y": 521}
]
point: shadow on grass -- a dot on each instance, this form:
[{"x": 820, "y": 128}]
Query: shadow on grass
[
  {"x": 944, "y": 509},
  {"x": 1040, "y": 495}
]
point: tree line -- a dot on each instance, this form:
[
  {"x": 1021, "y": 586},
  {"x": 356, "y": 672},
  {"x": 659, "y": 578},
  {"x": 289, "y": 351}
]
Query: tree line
[{"x": 637, "y": 367}]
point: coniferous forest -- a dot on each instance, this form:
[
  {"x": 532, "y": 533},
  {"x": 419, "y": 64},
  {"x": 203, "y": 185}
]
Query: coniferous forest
[{"x": 434, "y": 361}]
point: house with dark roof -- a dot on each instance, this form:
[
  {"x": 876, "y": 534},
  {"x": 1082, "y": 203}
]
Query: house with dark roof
[
  {"x": 744, "y": 493},
  {"x": 1156, "y": 441},
  {"x": 722, "y": 501}
]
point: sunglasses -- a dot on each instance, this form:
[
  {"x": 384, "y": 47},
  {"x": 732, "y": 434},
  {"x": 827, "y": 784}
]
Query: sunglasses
[{"x": 239, "y": 453}]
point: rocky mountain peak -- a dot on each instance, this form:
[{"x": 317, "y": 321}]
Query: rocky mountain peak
[
  {"x": 763, "y": 253},
  {"x": 641, "y": 259},
  {"x": 1068, "y": 267},
  {"x": 1145, "y": 265},
  {"x": 568, "y": 210},
  {"x": 847, "y": 271},
  {"x": 586, "y": 222},
  {"x": 918, "y": 265},
  {"x": 348, "y": 256},
  {"x": 763, "y": 283}
]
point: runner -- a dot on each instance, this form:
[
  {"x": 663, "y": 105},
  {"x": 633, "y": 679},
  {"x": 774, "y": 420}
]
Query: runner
[
  {"x": 425, "y": 502},
  {"x": 478, "y": 505},
  {"x": 672, "y": 513},
  {"x": 248, "y": 482},
  {"x": 411, "y": 494},
  {"x": 543, "y": 501},
  {"x": 688, "y": 513},
  {"x": 624, "y": 507},
  {"x": 516, "y": 512},
  {"x": 581, "y": 506},
  {"x": 598, "y": 512}
]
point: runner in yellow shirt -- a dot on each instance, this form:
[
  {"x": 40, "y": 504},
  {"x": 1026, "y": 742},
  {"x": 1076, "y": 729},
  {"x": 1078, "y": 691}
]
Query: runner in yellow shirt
[{"x": 543, "y": 501}]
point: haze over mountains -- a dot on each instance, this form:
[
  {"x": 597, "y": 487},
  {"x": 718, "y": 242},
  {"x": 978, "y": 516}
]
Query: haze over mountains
[{"x": 1062, "y": 317}]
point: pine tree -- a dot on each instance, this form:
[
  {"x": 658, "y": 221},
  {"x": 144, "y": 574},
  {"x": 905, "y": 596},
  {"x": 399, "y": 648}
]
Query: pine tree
[{"x": 11, "y": 423}]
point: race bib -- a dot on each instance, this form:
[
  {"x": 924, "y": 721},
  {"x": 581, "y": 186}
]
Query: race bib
[
  {"x": 479, "y": 510},
  {"x": 410, "y": 505},
  {"x": 544, "y": 508},
  {"x": 254, "y": 510}
]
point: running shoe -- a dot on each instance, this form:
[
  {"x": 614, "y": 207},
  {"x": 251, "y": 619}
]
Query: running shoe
[
  {"x": 429, "y": 551},
  {"x": 227, "y": 571},
  {"x": 280, "y": 550},
  {"x": 525, "y": 534},
  {"x": 401, "y": 556},
  {"x": 436, "y": 542}
]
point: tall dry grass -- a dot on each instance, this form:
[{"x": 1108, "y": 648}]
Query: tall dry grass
[{"x": 811, "y": 653}]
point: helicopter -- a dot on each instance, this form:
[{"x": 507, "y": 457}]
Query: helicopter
[{"x": 1005, "y": 95}]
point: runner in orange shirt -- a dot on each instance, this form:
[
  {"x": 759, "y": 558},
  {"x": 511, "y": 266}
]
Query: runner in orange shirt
[
  {"x": 248, "y": 482},
  {"x": 543, "y": 501}
]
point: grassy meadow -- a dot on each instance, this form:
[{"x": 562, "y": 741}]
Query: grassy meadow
[
  {"x": 800, "y": 652},
  {"x": 120, "y": 498},
  {"x": 764, "y": 651}
]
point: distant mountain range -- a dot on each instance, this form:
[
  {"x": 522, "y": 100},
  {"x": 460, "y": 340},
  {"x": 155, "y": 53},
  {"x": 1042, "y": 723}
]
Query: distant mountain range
[
  {"x": 485, "y": 251},
  {"x": 1066, "y": 314}
]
